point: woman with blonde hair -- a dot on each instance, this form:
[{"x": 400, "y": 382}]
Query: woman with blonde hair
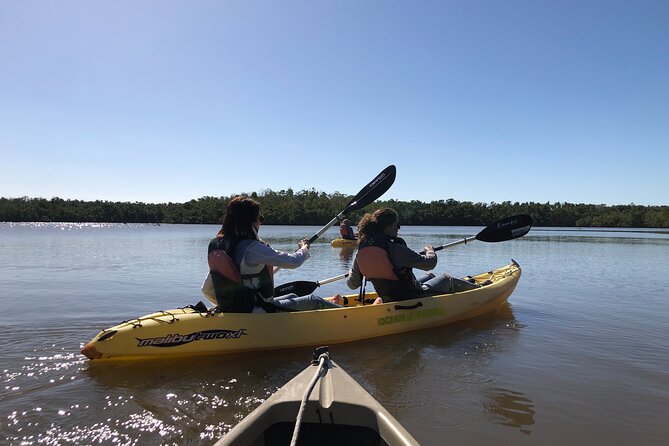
[
  {"x": 385, "y": 259},
  {"x": 387, "y": 262}
]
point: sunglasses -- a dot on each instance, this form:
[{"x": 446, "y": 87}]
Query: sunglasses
[{"x": 261, "y": 218}]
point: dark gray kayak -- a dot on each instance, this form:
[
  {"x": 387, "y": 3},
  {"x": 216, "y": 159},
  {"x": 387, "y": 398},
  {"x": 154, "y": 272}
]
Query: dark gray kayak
[{"x": 332, "y": 409}]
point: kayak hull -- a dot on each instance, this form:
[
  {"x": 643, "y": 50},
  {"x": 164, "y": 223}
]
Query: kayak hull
[
  {"x": 341, "y": 242},
  {"x": 337, "y": 411},
  {"x": 185, "y": 331}
]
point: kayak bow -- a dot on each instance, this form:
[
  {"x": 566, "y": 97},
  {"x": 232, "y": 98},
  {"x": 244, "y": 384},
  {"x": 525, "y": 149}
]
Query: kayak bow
[
  {"x": 321, "y": 403},
  {"x": 341, "y": 242}
]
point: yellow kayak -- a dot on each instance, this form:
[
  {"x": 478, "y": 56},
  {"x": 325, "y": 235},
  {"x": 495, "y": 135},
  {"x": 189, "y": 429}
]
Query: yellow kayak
[
  {"x": 186, "y": 331},
  {"x": 341, "y": 242}
]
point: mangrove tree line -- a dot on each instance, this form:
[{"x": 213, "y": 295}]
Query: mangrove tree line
[{"x": 310, "y": 207}]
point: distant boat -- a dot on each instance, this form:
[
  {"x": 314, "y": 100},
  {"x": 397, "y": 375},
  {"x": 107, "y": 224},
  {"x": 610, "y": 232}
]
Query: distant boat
[
  {"x": 341, "y": 242},
  {"x": 322, "y": 405}
]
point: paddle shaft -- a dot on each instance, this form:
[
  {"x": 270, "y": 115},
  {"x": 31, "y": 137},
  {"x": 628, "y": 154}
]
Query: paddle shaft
[
  {"x": 333, "y": 279},
  {"x": 373, "y": 190},
  {"x": 302, "y": 287},
  {"x": 455, "y": 243},
  {"x": 325, "y": 228}
]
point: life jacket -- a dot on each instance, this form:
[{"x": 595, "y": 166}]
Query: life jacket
[
  {"x": 346, "y": 232},
  {"x": 238, "y": 286},
  {"x": 389, "y": 282}
]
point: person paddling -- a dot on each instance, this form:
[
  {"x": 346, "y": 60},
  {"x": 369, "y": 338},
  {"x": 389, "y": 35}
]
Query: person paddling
[
  {"x": 241, "y": 265},
  {"x": 385, "y": 259},
  {"x": 346, "y": 231},
  {"x": 388, "y": 263}
]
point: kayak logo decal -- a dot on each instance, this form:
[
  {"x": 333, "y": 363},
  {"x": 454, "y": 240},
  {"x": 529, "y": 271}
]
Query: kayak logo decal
[
  {"x": 382, "y": 176},
  {"x": 507, "y": 223},
  {"x": 176, "y": 339},
  {"x": 407, "y": 317}
]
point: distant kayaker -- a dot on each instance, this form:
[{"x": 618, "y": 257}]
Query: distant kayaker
[
  {"x": 241, "y": 265},
  {"x": 385, "y": 260},
  {"x": 346, "y": 231}
]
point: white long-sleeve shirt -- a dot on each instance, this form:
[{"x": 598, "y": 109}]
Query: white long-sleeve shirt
[{"x": 258, "y": 253}]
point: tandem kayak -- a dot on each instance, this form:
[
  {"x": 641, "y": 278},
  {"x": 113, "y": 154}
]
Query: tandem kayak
[
  {"x": 191, "y": 331},
  {"x": 342, "y": 242},
  {"x": 322, "y": 405}
]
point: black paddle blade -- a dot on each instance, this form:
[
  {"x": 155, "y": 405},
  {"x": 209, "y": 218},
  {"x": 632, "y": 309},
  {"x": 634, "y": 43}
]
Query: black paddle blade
[
  {"x": 300, "y": 287},
  {"x": 377, "y": 187},
  {"x": 506, "y": 229}
]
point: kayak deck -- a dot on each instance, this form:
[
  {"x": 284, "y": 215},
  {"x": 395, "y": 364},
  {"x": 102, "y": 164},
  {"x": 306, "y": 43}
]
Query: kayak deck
[{"x": 328, "y": 407}]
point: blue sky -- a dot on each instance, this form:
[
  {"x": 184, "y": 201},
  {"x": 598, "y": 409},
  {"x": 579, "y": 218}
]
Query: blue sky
[{"x": 483, "y": 101}]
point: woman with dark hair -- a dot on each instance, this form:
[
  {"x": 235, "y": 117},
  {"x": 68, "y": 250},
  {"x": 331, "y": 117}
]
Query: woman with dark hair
[
  {"x": 241, "y": 265},
  {"x": 387, "y": 262}
]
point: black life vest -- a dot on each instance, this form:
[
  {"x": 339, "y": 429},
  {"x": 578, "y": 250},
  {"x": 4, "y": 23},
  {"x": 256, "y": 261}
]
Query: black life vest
[{"x": 236, "y": 292}]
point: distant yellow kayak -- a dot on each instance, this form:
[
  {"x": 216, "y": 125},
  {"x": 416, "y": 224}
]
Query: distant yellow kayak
[
  {"x": 340, "y": 242},
  {"x": 186, "y": 331}
]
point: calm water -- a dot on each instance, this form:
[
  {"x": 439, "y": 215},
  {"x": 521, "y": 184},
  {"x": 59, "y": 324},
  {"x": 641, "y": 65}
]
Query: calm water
[{"x": 579, "y": 356}]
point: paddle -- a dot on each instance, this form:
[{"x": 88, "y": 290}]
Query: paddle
[
  {"x": 373, "y": 190},
  {"x": 303, "y": 287},
  {"x": 377, "y": 187},
  {"x": 499, "y": 231}
]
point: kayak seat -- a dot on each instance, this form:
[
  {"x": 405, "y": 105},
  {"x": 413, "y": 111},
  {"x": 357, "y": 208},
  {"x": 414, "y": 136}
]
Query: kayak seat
[
  {"x": 446, "y": 284},
  {"x": 200, "y": 307}
]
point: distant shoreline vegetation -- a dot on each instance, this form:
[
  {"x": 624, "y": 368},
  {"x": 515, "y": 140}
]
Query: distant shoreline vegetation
[{"x": 310, "y": 207}]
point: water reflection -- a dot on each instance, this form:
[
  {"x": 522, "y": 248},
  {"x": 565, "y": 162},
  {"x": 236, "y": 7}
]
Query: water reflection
[
  {"x": 346, "y": 255},
  {"x": 199, "y": 398},
  {"x": 459, "y": 362},
  {"x": 435, "y": 381},
  {"x": 477, "y": 335},
  {"x": 511, "y": 408},
  {"x": 407, "y": 356}
]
